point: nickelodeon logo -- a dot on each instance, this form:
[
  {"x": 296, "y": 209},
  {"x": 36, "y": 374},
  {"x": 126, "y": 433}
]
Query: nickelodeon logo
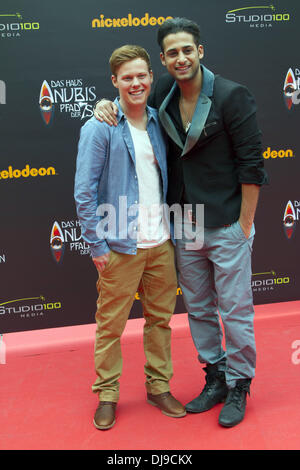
[
  {"x": 277, "y": 153},
  {"x": 129, "y": 21},
  {"x": 26, "y": 172}
]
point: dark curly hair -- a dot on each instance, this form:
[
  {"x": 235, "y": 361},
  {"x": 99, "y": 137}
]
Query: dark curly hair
[{"x": 177, "y": 25}]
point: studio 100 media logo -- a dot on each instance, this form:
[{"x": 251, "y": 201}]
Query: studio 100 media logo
[
  {"x": 257, "y": 16},
  {"x": 13, "y": 25},
  {"x": 29, "y": 307}
]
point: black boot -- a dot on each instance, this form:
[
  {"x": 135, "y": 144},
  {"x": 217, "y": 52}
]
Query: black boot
[
  {"x": 234, "y": 409},
  {"x": 215, "y": 391}
]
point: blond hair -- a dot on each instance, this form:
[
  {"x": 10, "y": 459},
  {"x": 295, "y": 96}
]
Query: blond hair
[{"x": 125, "y": 54}]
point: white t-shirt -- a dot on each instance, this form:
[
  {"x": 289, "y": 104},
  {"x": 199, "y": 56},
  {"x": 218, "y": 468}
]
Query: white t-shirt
[{"x": 152, "y": 226}]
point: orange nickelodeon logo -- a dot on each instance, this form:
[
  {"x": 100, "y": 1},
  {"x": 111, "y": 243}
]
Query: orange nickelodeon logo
[
  {"x": 281, "y": 153},
  {"x": 128, "y": 21},
  {"x": 26, "y": 172}
]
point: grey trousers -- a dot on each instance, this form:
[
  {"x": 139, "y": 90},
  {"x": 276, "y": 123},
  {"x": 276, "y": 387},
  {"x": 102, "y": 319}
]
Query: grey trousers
[{"x": 216, "y": 279}]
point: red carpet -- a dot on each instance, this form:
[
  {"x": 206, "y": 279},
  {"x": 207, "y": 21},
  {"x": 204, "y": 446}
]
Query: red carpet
[{"x": 46, "y": 400}]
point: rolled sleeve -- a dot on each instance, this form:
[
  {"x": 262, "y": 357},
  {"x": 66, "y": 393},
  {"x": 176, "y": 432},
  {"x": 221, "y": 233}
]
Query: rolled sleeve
[{"x": 241, "y": 124}]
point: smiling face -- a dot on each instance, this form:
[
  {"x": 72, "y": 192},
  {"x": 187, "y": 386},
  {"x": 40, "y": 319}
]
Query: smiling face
[
  {"x": 133, "y": 80},
  {"x": 181, "y": 56}
]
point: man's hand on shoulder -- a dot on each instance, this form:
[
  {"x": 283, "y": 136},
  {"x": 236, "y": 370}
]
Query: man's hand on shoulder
[{"x": 106, "y": 111}]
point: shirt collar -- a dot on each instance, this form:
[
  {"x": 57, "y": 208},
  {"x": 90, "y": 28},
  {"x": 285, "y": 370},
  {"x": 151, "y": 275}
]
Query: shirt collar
[{"x": 151, "y": 113}]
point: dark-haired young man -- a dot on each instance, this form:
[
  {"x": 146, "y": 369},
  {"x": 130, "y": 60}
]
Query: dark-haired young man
[{"x": 215, "y": 159}]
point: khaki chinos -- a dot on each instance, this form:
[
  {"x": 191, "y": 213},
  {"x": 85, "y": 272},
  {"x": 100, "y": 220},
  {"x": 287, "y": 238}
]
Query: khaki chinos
[{"x": 151, "y": 272}]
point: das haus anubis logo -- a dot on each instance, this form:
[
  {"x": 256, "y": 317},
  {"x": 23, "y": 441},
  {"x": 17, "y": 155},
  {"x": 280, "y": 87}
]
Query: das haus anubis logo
[
  {"x": 66, "y": 234},
  {"x": 290, "y": 86},
  {"x": 289, "y": 220},
  {"x": 46, "y": 102},
  {"x": 71, "y": 97},
  {"x": 57, "y": 244}
]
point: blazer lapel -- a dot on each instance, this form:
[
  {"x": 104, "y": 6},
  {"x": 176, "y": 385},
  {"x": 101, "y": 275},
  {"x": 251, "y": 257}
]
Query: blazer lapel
[
  {"x": 200, "y": 115},
  {"x": 198, "y": 122},
  {"x": 166, "y": 121}
]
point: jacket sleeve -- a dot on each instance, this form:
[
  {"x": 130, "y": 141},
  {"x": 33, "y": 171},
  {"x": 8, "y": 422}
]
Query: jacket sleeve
[
  {"x": 92, "y": 151},
  {"x": 241, "y": 124}
]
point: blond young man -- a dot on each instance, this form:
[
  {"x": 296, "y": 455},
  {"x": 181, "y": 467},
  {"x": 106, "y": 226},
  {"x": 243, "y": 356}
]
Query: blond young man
[{"x": 122, "y": 171}]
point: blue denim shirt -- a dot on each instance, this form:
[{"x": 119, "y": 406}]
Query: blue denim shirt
[{"x": 106, "y": 174}]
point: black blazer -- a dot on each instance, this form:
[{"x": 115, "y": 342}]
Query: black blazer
[{"x": 222, "y": 150}]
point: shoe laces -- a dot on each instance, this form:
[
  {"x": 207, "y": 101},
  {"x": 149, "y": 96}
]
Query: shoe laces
[
  {"x": 235, "y": 395},
  {"x": 211, "y": 381},
  {"x": 243, "y": 385}
]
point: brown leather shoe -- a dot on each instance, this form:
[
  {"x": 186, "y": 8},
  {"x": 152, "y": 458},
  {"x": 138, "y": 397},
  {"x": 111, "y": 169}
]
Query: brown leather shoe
[
  {"x": 105, "y": 415},
  {"x": 167, "y": 404}
]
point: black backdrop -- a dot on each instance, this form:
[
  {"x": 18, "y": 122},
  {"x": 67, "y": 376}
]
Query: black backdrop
[{"x": 57, "y": 52}]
